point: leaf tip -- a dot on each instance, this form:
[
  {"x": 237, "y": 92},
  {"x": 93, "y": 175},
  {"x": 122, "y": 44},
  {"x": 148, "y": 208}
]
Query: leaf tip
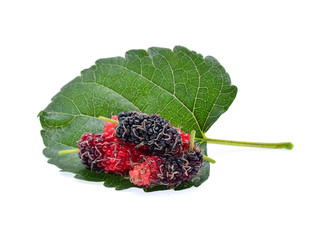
[{"x": 40, "y": 114}]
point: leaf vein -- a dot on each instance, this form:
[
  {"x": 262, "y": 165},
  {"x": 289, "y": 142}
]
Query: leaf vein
[
  {"x": 55, "y": 141},
  {"x": 173, "y": 78},
  {"x": 194, "y": 104},
  {"x": 215, "y": 102}
]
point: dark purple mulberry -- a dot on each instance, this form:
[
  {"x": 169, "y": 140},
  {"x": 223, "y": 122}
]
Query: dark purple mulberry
[
  {"x": 92, "y": 150},
  {"x": 177, "y": 169},
  {"x": 148, "y": 130}
]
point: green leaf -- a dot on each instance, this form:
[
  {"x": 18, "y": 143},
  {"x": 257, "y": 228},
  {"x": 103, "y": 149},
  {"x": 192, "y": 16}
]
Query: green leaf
[{"x": 190, "y": 91}]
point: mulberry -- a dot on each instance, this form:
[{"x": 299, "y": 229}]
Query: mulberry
[
  {"x": 119, "y": 158},
  {"x": 92, "y": 149},
  {"x": 167, "y": 170},
  {"x": 177, "y": 169},
  {"x": 148, "y": 130},
  {"x": 145, "y": 173}
]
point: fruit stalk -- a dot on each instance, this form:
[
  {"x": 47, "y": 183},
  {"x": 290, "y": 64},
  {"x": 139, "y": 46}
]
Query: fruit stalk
[
  {"x": 107, "y": 120},
  {"x": 208, "y": 159},
  {"x": 68, "y": 151},
  {"x": 286, "y": 145},
  {"x": 192, "y": 140}
]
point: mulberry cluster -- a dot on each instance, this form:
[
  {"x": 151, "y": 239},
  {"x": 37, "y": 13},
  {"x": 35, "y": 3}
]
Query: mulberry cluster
[
  {"x": 148, "y": 130},
  {"x": 147, "y": 148}
]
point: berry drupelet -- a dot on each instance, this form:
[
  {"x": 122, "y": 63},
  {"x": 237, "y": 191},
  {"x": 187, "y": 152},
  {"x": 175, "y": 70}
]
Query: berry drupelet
[{"x": 148, "y": 130}]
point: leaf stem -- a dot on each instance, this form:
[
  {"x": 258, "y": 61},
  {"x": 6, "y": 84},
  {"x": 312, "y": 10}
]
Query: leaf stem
[
  {"x": 73, "y": 150},
  {"x": 107, "y": 119},
  {"x": 208, "y": 159},
  {"x": 192, "y": 140},
  {"x": 286, "y": 145}
]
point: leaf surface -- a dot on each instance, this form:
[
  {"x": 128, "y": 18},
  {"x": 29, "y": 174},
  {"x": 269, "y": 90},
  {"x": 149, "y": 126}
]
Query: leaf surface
[{"x": 182, "y": 86}]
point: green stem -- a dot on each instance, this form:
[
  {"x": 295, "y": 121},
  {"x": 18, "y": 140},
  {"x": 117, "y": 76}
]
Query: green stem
[
  {"x": 208, "y": 159},
  {"x": 192, "y": 140},
  {"x": 73, "y": 150},
  {"x": 107, "y": 119},
  {"x": 286, "y": 145}
]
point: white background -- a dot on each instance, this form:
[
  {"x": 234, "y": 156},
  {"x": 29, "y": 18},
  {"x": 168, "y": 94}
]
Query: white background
[{"x": 272, "y": 51}]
